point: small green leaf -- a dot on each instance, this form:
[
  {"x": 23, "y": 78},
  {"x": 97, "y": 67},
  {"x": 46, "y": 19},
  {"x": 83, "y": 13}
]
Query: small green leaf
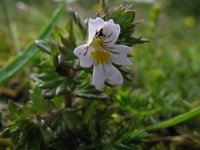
[
  {"x": 43, "y": 46},
  {"x": 67, "y": 53},
  {"x": 124, "y": 18},
  {"x": 132, "y": 41},
  {"x": 89, "y": 92},
  {"x": 68, "y": 43},
  {"x": 39, "y": 104},
  {"x": 48, "y": 93},
  {"x": 61, "y": 89},
  {"x": 47, "y": 134},
  {"x": 79, "y": 21},
  {"x": 14, "y": 110},
  {"x": 51, "y": 84},
  {"x": 70, "y": 30}
]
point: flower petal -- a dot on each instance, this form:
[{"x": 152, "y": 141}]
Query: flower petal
[
  {"x": 99, "y": 76},
  {"x": 119, "y": 54},
  {"x": 113, "y": 74},
  {"x": 120, "y": 59},
  {"x": 83, "y": 54},
  {"x": 94, "y": 25},
  {"x": 122, "y": 49},
  {"x": 111, "y": 30}
]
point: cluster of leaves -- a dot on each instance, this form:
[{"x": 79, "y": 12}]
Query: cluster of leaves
[
  {"x": 64, "y": 111},
  {"x": 43, "y": 124},
  {"x": 125, "y": 18}
]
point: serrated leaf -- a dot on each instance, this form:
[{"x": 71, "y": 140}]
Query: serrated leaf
[
  {"x": 132, "y": 41},
  {"x": 124, "y": 18},
  {"x": 61, "y": 89},
  {"x": 45, "y": 76},
  {"x": 89, "y": 92},
  {"x": 14, "y": 110},
  {"x": 58, "y": 101},
  {"x": 48, "y": 93},
  {"x": 90, "y": 96},
  {"x": 51, "y": 83},
  {"x": 47, "y": 135},
  {"x": 68, "y": 43},
  {"x": 70, "y": 29},
  {"x": 43, "y": 46},
  {"x": 79, "y": 21},
  {"x": 68, "y": 53},
  {"x": 39, "y": 104}
]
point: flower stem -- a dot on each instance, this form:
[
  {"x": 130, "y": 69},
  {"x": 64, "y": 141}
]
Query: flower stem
[{"x": 68, "y": 100}]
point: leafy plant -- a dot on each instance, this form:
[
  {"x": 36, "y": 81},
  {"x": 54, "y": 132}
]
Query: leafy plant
[{"x": 65, "y": 111}]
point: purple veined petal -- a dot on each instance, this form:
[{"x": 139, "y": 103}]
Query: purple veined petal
[
  {"x": 112, "y": 31},
  {"x": 119, "y": 49},
  {"x": 99, "y": 76},
  {"x": 83, "y": 53},
  {"x": 119, "y": 54},
  {"x": 119, "y": 59},
  {"x": 94, "y": 25},
  {"x": 113, "y": 74}
]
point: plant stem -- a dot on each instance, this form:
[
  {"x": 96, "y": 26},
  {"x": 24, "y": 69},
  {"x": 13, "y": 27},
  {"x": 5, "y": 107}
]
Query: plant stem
[
  {"x": 68, "y": 100},
  {"x": 176, "y": 120}
]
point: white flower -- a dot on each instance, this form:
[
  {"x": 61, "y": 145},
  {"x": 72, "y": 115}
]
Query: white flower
[{"x": 101, "y": 51}]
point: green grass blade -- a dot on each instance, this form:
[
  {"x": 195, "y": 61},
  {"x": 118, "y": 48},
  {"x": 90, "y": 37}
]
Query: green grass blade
[
  {"x": 176, "y": 120},
  {"x": 20, "y": 61}
]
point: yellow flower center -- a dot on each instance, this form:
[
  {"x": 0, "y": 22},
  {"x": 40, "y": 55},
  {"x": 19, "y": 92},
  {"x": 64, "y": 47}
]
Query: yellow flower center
[
  {"x": 100, "y": 56},
  {"x": 97, "y": 42}
]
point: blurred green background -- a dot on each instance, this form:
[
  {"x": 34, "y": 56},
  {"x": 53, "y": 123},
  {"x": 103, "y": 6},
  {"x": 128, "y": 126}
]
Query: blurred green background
[{"x": 165, "y": 71}]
